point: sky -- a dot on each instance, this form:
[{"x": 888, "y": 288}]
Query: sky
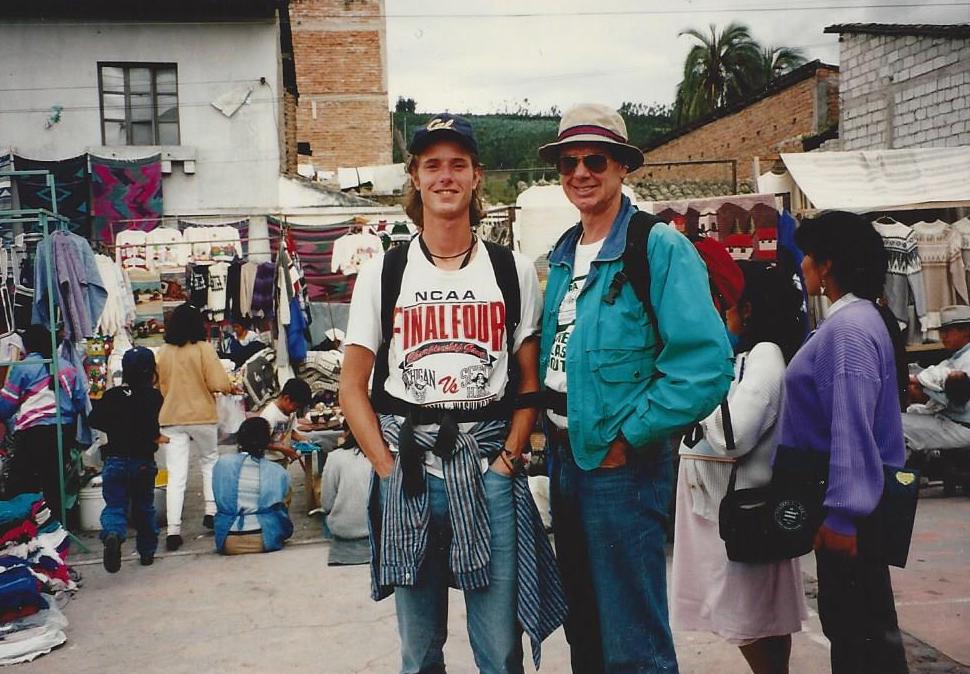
[{"x": 481, "y": 56}]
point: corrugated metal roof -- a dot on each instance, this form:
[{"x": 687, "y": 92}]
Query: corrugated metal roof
[{"x": 951, "y": 30}]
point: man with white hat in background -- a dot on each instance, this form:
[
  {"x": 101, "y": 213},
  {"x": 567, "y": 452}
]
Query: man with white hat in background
[
  {"x": 947, "y": 426},
  {"x": 633, "y": 381}
]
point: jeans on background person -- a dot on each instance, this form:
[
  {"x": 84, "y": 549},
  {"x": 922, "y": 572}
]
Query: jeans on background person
[
  {"x": 130, "y": 481},
  {"x": 858, "y": 615},
  {"x": 422, "y": 609},
  {"x": 609, "y": 529},
  {"x": 33, "y": 466},
  {"x": 203, "y": 437}
]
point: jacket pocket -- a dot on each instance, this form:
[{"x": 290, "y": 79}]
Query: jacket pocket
[{"x": 617, "y": 366}]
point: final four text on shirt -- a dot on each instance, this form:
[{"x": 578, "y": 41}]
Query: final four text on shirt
[{"x": 434, "y": 317}]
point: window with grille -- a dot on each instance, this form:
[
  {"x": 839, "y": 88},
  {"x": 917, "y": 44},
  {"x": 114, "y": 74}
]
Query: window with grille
[{"x": 139, "y": 103}]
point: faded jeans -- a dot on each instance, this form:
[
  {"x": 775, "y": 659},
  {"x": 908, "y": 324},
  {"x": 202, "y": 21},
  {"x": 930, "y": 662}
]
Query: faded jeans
[
  {"x": 181, "y": 438},
  {"x": 130, "y": 481},
  {"x": 609, "y": 527},
  {"x": 422, "y": 609}
]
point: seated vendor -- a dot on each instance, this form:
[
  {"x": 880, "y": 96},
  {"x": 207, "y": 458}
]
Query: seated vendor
[
  {"x": 344, "y": 489},
  {"x": 249, "y": 493},
  {"x": 242, "y": 343},
  {"x": 281, "y": 415},
  {"x": 941, "y": 417}
]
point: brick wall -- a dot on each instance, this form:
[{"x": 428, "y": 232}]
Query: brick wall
[
  {"x": 774, "y": 124},
  {"x": 904, "y": 91},
  {"x": 289, "y": 133},
  {"x": 340, "y": 49}
]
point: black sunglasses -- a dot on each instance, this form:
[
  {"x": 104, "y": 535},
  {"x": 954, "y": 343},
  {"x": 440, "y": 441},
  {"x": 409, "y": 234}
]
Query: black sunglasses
[{"x": 596, "y": 163}]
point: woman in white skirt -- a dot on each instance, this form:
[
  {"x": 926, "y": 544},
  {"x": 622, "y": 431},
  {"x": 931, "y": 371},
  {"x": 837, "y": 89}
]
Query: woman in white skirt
[{"x": 755, "y": 606}]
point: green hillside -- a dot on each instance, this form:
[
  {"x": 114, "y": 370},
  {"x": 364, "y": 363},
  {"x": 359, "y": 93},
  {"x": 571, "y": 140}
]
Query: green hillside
[{"x": 508, "y": 142}]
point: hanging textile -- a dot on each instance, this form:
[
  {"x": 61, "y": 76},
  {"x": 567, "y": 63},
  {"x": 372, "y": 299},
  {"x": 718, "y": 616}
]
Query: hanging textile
[
  {"x": 314, "y": 245},
  {"x": 79, "y": 290},
  {"x": 215, "y": 241},
  {"x": 6, "y": 184},
  {"x": 125, "y": 190},
  {"x": 904, "y": 276},
  {"x": 70, "y": 188},
  {"x": 943, "y": 271}
]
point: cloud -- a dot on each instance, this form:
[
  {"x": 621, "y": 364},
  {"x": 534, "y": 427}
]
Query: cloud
[{"x": 566, "y": 51}]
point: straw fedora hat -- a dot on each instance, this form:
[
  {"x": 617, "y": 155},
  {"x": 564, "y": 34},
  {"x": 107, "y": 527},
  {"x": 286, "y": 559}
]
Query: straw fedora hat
[{"x": 594, "y": 123}]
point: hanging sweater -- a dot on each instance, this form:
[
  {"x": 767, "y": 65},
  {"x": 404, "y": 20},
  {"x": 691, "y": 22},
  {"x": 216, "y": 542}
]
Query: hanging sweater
[
  {"x": 188, "y": 376},
  {"x": 963, "y": 229},
  {"x": 904, "y": 279},
  {"x": 841, "y": 399},
  {"x": 943, "y": 270}
]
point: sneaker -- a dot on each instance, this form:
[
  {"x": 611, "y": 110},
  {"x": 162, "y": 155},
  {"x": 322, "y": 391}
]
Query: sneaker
[
  {"x": 209, "y": 522},
  {"x": 112, "y": 553},
  {"x": 173, "y": 542},
  {"x": 148, "y": 559}
]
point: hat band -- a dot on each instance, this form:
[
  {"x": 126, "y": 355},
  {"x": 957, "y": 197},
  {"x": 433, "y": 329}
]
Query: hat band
[{"x": 591, "y": 129}]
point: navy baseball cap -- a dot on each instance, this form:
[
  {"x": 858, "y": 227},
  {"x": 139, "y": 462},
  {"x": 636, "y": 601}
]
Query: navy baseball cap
[
  {"x": 138, "y": 360},
  {"x": 444, "y": 127}
]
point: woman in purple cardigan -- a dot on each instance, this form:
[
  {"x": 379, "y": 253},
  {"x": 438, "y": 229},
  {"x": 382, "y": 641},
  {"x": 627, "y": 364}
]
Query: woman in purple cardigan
[{"x": 842, "y": 398}]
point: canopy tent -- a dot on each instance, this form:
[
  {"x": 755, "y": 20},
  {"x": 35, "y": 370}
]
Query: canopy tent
[
  {"x": 870, "y": 180},
  {"x": 544, "y": 213}
]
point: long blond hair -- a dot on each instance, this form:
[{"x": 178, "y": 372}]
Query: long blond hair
[{"x": 414, "y": 206}]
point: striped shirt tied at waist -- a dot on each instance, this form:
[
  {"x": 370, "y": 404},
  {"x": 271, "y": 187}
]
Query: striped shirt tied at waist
[{"x": 399, "y": 530}]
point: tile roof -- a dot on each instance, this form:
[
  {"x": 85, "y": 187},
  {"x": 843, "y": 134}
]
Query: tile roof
[{"x": 951, "y": 30}]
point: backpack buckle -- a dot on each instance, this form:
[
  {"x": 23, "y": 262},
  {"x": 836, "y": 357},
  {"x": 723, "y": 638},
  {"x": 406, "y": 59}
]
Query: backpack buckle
[{"x": 615, "y": 286}]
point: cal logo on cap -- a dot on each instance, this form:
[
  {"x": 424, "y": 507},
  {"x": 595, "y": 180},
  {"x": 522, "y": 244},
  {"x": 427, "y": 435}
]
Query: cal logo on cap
[{"x": 437, "y": 124}]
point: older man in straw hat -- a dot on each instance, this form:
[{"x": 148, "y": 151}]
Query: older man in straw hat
[
  {"x": 943, "y": 423},
  {"x": 620, "y": 382}
]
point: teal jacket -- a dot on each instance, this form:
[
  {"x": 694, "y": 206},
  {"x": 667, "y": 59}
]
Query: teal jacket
[{"x": 617, "y": 380}]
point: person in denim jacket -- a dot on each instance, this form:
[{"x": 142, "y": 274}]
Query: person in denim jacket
[{"x": 629, "y": 390}]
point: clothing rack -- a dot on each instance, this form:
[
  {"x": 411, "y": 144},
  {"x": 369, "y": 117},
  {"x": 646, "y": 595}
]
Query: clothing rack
[{"x": 43, "y": 218}]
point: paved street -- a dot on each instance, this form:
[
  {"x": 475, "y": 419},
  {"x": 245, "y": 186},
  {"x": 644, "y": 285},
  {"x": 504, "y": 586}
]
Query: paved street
[{"x": 289, "y": 612}]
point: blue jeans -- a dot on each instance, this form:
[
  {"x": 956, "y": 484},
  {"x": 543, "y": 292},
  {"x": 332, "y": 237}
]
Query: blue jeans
[
  {"x": 422, "y": 609},
  {"x": 131, "y": 481},
  {"x": 609, "y": 531}
]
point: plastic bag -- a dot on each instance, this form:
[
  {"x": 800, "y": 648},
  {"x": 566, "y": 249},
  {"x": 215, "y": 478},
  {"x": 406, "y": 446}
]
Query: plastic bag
[{"x": 232, "y": 412}]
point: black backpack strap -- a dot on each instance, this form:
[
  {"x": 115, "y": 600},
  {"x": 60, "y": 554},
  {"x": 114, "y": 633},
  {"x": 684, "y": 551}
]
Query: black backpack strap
[
  {"x": 392, "y": 272},
  {"x": 507, "y": 277},
  {"x": 636, "y": 268}
]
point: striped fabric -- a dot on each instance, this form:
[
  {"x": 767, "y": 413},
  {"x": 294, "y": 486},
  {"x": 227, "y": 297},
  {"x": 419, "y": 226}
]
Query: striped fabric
[
  {"x": 880, "y": 179},
  {"x": 314, "y": 245},
  {"x": 247, "y": 498},
  {"x": 403, "y": 538}
]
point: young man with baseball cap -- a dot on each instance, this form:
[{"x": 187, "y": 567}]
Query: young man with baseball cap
[
  {"x": 617, "y": 391},
  {"x": 448, "y": 324}
]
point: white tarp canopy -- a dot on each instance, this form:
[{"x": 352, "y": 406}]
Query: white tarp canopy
[
  {"x": 543, "y": 214},
  {"x": 882, "y": 179}
]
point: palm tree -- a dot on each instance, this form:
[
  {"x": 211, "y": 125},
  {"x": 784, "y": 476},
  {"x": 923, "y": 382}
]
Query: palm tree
[
  {"x": 773, "y": 62},
  {"x": 718, "y": 71}
]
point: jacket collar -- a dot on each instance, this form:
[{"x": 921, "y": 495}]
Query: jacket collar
[{"x": 613, "y": 246}]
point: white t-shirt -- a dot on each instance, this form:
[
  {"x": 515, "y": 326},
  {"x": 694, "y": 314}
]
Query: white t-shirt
[
  {"x": 449, "y": 345},
  {"x": 166, "y": 249},
  {"x": 226, "y": 244},
  {"x": 200, "y": 239},
  {"x": 280, "y": 426},
  {"x": 11, "y": 347},
  {"x": 130, "y": 251},
  {"x": 352, "y": 251},
  {"x": 556, "y": 370},
  {"x": 217, "y": 290}
]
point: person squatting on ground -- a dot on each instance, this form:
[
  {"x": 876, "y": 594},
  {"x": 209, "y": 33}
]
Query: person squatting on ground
[
  {"x": 28, "y": 397},
  {"x": 189, "y": 374},
  {"x": 754, "y": 606},
  {"x": 448, "y": 323},
  {"x": 940, "y": 420},
  {"x": 842, "y": 396},
  {"x": 128, "y": 414},
  {"x": 619, "y": 391},
  {"x": 281, "y": 415},
  {"x": 250, "y": 491}
]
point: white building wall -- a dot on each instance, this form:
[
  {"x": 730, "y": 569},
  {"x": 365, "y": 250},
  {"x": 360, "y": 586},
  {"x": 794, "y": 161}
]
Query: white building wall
[
  {"x": 904, "y": 91},
  {"x": 237, "y": 159}
]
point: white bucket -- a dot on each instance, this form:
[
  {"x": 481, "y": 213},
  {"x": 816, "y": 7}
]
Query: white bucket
[{"x": 91, "y": 503}]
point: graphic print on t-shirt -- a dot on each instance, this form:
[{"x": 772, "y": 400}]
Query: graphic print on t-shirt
[
  {"x": 564, "y": 328},
  {"x": 450, "y": 341}
]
